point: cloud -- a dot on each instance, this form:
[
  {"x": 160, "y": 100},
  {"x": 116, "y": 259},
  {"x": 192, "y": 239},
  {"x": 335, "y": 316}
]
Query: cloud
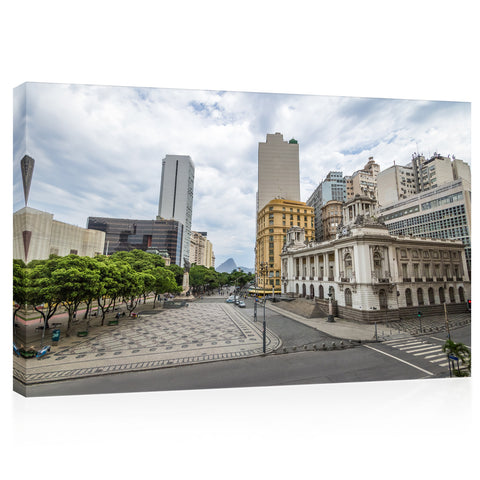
[{"x": 99, "y": 149}]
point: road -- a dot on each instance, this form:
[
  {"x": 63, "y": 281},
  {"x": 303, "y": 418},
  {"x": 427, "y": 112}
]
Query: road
[{"x": 371, "y": 362}]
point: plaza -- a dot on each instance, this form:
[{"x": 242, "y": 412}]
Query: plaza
[{"x": 201, "y": 332}]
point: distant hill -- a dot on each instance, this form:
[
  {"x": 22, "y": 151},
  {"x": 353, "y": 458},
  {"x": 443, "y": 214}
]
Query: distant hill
[{"x": 227, "y": 266}]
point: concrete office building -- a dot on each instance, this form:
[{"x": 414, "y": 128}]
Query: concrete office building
[
  {"x": 333, "y": 187},
  {"x": 201, "y": 250},
  {"x": 176, "y": 197},
  {"x": 370, "y": 275},
  {"x": 420, "y": 175},
  {"x": 364, "y": 182},
  {"x": 278, "y": 170},
  {"x": 124, "y": 234},
  {"x": 443, "y": 212},
  {"x": 36, "y": 236},
  {"x": 395, "y": 183}
]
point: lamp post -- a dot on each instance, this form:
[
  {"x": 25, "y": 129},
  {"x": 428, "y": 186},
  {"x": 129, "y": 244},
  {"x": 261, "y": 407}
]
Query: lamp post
[
  {"x": 263, "y": 272},
  {"x": 330, "y": 308}
]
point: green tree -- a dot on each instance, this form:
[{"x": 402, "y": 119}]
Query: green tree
[
  {"x": 178, "y": 272},
  {"x": 20, "y": 287},
  {"x": 75, "y": 281},
  {"x": 164, "y": 281},
  {"x": 42, "y": 291},
  {"x": 462, "y": 352}
]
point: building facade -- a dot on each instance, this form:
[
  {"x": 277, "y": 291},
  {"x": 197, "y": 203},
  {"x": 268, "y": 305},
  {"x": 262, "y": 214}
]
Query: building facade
[
  {"x": 333, "y": 187},
  {"x": 176, "y": 197},
  {"x": 364, "y": 182},
  {"x": 273, "y": 222},
  {"x": 332, "y": 217},
  {"x": 278, "y": 170},
  {"x": 443, "y": 212},
  {"x": 201, "y": 250},
  {"x": 420, "y": 175},
  {"x": 370, "y": 275},
  {"x": 123, "y": 235},
  {"x": 36, "y": 236}
]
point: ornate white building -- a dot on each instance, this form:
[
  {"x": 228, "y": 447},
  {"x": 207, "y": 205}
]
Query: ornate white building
[{"x": 372, "y": 275}]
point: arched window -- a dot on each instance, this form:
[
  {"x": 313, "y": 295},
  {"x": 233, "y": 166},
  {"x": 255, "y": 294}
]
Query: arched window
[
  {"x": 382, "y": 298},
  {"x": 304, "y": 290},
  {"x": 461, "y": 294},
  {"x": 408, "y": 297},
  {"x": 296, "y": 289},
  {"x": 377, "y": 264},
  {"x": 348, "y": 265},
  {"x": 348, "y": 297},
  {"x": 312, "y": 291},
  {"x": 320, "y": 292},
  {"x": 451, "y": 294},
  {"x": 431, "y": 296},
  {"x": 420, "y": 296},
  {"x": 441, "y": 294}
]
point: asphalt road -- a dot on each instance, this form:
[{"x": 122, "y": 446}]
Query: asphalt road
[{"x": 370, "y": 362}]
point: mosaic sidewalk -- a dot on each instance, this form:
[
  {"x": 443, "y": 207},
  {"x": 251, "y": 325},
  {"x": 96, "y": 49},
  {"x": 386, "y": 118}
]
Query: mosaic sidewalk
[{"x": 199, "y": 333}]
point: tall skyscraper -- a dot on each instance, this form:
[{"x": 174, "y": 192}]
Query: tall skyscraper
[
  {"x": 176, "y": 196},
  {"x": 278, "y": 170}
]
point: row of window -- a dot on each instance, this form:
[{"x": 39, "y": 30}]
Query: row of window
[{"x": 431, "y": 297}]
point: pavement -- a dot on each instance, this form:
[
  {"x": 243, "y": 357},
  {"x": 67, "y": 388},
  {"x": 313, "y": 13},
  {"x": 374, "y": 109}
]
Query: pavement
[
  {"x": 204, "y": 331},
  {"x": 201, "y": 332}
]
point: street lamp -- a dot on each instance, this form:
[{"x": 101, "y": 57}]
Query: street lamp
[
  {"x": 330, "y": 308},
  {"x": 263, "y": 272}
]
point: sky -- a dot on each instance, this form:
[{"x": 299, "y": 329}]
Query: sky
[{"x": 98, "y": 150}]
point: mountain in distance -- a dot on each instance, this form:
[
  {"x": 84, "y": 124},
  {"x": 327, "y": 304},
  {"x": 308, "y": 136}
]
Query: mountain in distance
[{"x": 229, "y": 265}]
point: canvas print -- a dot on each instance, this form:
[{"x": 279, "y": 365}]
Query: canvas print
[{"x": 171, "y": 239}]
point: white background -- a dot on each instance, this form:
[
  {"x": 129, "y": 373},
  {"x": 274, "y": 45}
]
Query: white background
[{"x": 410, "y": 49}]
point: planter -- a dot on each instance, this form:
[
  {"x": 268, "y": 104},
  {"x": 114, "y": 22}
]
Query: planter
[
  {"x": 112, "y": 322},
  {"x": 82, "y": 334}
]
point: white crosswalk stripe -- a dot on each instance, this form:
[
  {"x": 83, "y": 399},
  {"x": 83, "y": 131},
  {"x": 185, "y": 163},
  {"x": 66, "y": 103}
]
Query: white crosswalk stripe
[{"x": 420, "y": 348}]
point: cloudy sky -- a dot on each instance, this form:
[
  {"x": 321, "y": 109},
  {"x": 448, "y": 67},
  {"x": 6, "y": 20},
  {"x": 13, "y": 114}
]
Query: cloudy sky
[{"x": 98, "y": 149}]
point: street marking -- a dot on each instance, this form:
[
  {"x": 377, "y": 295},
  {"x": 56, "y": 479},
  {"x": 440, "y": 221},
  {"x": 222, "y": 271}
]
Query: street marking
[
  {"x": 436, "y": 355},
  {"x": 399, "y": 359},
  {"x": 423, "y": 349},
  {"x": 431, "y": 351},
  {"x": 411, "y": 342},
  {"x": 443, "y": 364},
  {"x": 417, "y": 344},
  {"x": 437, "y": 360}
]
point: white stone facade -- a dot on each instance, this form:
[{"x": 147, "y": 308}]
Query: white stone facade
[
  {"x": 373, "y": 275},
  {"x": 36, "y": 235}
]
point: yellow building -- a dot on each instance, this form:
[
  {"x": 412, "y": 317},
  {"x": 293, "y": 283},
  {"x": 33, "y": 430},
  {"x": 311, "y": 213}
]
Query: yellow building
[{"x": 273, "y": 221}]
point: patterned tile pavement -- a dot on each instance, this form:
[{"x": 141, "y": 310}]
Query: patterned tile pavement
[{"x": 202, "y": 332}]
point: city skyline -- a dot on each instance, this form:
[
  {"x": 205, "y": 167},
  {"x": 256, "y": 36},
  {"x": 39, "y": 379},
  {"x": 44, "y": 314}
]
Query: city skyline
[{"x": 102, "y": 155}]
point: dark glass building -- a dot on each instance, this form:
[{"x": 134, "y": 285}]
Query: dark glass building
[{"x": 122, "y": 234}]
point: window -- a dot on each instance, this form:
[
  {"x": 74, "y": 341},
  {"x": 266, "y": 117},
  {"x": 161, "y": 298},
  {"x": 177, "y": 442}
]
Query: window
[
  {"x": 408, "y": 297},
  {"x": 348, "y": 297},
  {"x": 420, "y": 296},
  {"x": 431, "y": 296}
]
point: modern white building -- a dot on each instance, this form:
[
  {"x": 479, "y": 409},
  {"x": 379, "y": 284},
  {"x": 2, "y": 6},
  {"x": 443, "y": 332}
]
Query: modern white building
[
  {"x": 278, "y": 170},
  {"x": 176, "y": 196},
  {"x": 443, "y": 212},
  {"x": 36, "y": 235},
  {"x": 420, "y": 175},
  {"x": 371, "y": 275}
]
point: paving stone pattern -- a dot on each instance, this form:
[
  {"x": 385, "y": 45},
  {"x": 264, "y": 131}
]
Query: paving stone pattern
[{"x": 199, "y": 333}]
